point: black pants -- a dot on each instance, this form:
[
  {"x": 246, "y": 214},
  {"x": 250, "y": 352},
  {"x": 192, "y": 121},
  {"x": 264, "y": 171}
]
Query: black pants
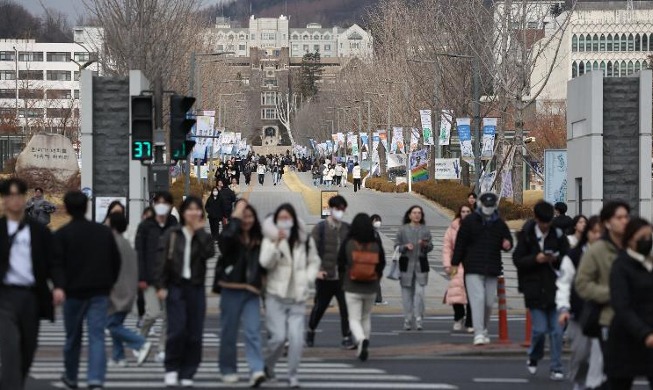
[
  {"x": 625, "y": 383},
  {"x": 357, "y": 184},
  {"x": 325, "y": 290},
  {"x": 459, "y": 311},
  {"x": 186, "y": 308},
  {"x": 248, "y": 178},
  {"x": 19, "y": 330},
  {"x": 337, "y": 180},
  {"x": 140, "y": 303},
  {"x": 261, "y": 179},
  {"x": 214, "y": 224},
  {"x": 379, "y": 294}
]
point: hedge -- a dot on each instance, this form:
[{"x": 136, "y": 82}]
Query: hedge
[
  {"x": 197, "y": 189},
  {"x": 449, "y": 194}
]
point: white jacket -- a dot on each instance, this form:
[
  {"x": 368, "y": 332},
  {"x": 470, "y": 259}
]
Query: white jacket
[
  {"x": 328, "y": 174},
  {"x": 281, "y": 264},
  {"x": 260, "y": 169},
  {"x": 564, "y": 283},
  {"x": 339, "y": 170},
  {"x": 356, "y": 172}
]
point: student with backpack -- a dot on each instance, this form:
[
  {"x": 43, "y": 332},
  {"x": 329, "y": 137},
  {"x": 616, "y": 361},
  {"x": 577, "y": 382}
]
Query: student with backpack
[{"x": 360, "y": 265}]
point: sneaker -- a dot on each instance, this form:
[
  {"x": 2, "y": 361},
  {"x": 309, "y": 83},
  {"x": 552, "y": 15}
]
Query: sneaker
[
  {"x": 257, "y": 379},
  {"x": 67, "y": 382},
  {"x": 122, "y": 363},
  {"x": 418, "y": 323},
  {"x": 310, "y": 338},
  {"x": 230, "y": 378},
  {"x": 362, "y": 352},
  {"x": 347, "y": 343},
  {"x": 408, "y": 325},
  {"x": 531, "y": 365},
  {"x": 186, "y": 383},
  {"x": 479, "y": 339},
  {"x": 557, "y": 376},
  {"x": 160, "y": 357},
  {"x": 293, "y": 382},
  {"x": 486, "y": 336},
  {"x": 143, "y": 353},
  {"x": 458, "y": 326},
  {"x": 470, "y": 329},
  {"x": 171, "y": 379},
  {"x": 381, "y": 303},
  {"x": 269, "y": 374}
]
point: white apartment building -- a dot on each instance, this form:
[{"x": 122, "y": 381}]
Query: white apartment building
[
  {"x": 276, "y": 33},
  {"x": 39, "y": 82}
]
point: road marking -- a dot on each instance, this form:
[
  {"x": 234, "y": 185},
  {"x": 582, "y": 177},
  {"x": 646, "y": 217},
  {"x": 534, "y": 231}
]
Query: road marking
[{"x": 500, "y": 380}]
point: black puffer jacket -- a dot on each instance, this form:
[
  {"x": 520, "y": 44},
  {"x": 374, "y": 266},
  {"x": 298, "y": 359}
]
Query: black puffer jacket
[
  {"x": 537, "y": 281},
  {"x": 238, "y": 266},
  {"x": 479, "y": 244},
  {"x": 171, "y": 257},
  {"x": 214, "y": 207},
  {"x": 148, "y": 235}
]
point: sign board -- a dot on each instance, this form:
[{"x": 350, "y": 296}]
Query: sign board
[
  {"x": 102, "y": 206},
  {"x": 555, "y": 175},
  {"x": 447, "y": 169},
  {"x": 324, "y": 202}
]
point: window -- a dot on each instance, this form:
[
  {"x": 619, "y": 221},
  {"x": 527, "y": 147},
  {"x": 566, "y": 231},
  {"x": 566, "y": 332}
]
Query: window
[
  {"x": 631, "y": 68},
  {"x": 7, "y": 112},
  {"x": 327, "y": 47},
  {"x": 574, "y": 70},
  {"x": 270, "y": 82},
  {"x": 609, "y": 70},
  {"x": 58, "y": 75},
  {"x": 638, "y": 66},
  {"x": 616, "y": 69},
  {"x": 268, "y": 36},
  {"x": 7, "y": 55},
  {"x": 644, "y": 42},
  {"x": 58, "y": 94},
  {"x": 532, "y": 25},
  {"x": 638, "y": 43},
  {"x": 305, "y": 48},
  {"x": 574, "y": 43},
  {"x": 588, "y": 66},
  {"x": 36, "y": 56},
  {"x": 220, "y": 47},
  {"x": 595, "y": 43},
  {"x": 7, "y": 75},
  {"x": 58, "y": 57},
  {"x": 242, "y": 47},
  {"x": 7, "y": 93},
  {"x": 57, "y": 112},
  {"x": 76, "y": 75},
  {"x": 230, "y": 48},
  {"x": 609, "y": 43},
  {"x": 305, "y": 37},
  {"x": 624, "y": 42},
  {"x": 268, "y": 113},
  {"x": 76, "y": 94},
  {"x": 617, "y": 43},
  {"x": 631, "y": 42},
  {"x": 30, "y": 75},
  {"x": 581, "y": 43},
  {"x": 588, "y": 42},
  {"x": 581, "y": 68},
  {"x": 82, "y": 57},
  {"x": 241, "y": 36},
  {"x": 295, "y": 37},
  {"x": 354, "y": 45},
  {"x": 268, "y": 98},
  {"x": 602, "y": 66},
  {"x": 31, "y": 113},
  {"x": 602, "y": 43},
  {"x": 644, "y": 65},
  {"x": 30, "y": 94},
  {"x": 230, "y": 37},
  {"x": 316, "y": 48},
  {"x": 295, "y": 47}
]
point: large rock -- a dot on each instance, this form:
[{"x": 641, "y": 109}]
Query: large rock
[{"x": 48, "y": 161}]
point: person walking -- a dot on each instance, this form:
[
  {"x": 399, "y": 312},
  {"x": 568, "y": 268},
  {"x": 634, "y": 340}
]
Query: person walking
[
  {"x": 87, "y": 288},
  {"x": 214, "y": 211},
  {"x": 26, "y": 268},
  {"x": 114, "y": 207},
  {"x": 327, "y": 175},
  {"x": 227, "y": 199},
  {"x": 579, "y": 223},
  {"x": 586, "y": 361},
  {"x": 593, "y": 274},
  {"x": 329, "y": 236},
  {"x": 179, "y": 281},
  {"x": 481, "y": 238},
  {"x": 148, "y": 237},
  {"x": 456, "y": 294},
  {"x": 376, "y": 223},
  {"x": 234, "y": 187},
  {"x": 247, "y": 172},
  {"x": 289, "y": 255},
  {"x": 561, "y": 220},
  {"x": 471, "y": 200},
  {"x": 630, "y": 341},
  {"x": 260, "y": 170},
  {"x": 240, "y": 279},
  {"x": 40, "y": 209},
  {"x": 414, "y": 242},
  {"x": 276, "y": 173},
  {"x": 121, "y": 300},
  {"x": 317, "y": 176},
  {"x": 537, "y": 257},
  {"x": 339, "y": 171},
  {"x": 356, "y": 175},
  {"x": 360, "y": 264}
]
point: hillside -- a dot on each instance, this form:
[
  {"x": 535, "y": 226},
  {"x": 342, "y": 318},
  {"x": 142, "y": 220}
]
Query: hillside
[{"x": 301, "y": 12}]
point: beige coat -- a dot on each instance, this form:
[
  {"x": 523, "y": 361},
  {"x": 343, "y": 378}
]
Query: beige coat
[{"x": 456, "y": 293}]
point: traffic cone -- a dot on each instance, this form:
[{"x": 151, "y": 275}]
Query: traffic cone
[
  {"x": 503, "y": 311},
  {"x": 527, "y": 340}
]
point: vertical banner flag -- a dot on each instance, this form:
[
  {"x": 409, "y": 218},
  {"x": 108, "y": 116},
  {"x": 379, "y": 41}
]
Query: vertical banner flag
[
  {"x": 203, "y": 129},
  {"x": 364, "y": 142},
  {"x": 555, "y": 175},
  {"x": 427, "y": 129},
  {"x": 463, "y": 125},
  {"x": 397, "y": 145},
  {"x": 446, "y": 119},
  {"x": 419, "y": 165},
  {"x": 375, "y": 146},
  {"x": 341, "y": 140},
  {"x": 329, "y": 147},
  {"x": 353, "y": 140},
  {"x": 333, "y": 144},
  {"x": 506, "y": 184},
  {"x": 414, "y": 139},
  {"x": 383, "y": 137},
  {"x": 350, "y": 141},
  {"x": 489, "y": 132}
]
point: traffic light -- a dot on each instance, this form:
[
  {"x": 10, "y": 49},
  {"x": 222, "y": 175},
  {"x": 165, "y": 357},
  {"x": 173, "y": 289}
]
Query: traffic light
[
  {"x": 141, "y": 127},
  {"x": 180, "y": 126}
]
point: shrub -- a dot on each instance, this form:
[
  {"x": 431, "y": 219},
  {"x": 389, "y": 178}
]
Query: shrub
[{"x": 197, "y": 188}]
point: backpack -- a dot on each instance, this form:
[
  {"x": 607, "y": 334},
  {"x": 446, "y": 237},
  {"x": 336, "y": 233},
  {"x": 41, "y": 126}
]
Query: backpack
[{"x": 363, "y": 263}]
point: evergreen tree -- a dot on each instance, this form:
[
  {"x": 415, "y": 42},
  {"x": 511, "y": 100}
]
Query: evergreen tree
[{"x": 310, "y": 75}]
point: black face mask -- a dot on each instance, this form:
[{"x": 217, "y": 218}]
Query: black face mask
[{"x": 644, "y": 246}]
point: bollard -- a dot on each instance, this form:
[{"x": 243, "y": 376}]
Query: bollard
[
  {"x": 527, "y": 340},
  {"x": 503, "y": 311}
]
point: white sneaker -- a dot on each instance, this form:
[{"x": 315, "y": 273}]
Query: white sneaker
[
  {"x": 171, "y": 379},
  {"x": 186, "y": 383},
  {"x": 557, "y": 376},
  {"x": 257, "y": 379},
  {"x": 486, "y": 336},
  {"x": 160, "y": 357},
  {"x": 470, "y": 330},
  {"x": 418, "y": 323},
  {"x": 479, "y": 340},
  {"x": 293, "y": 382},
  {"x": 143, "y": 353},
  {"x": 230, "y": 378},
  {"x": 117, "y": 363},
  {"x": 458, "y": 325}
]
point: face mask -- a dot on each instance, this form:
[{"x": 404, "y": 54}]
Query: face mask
[
  {"x": 161, "y": 209},
  {"x": 286, "y": 225},
  {"x": 215, "y": 193},
  {"x": 488, "y": 210},
  {"x": 337, "y": 214},
  {"x": 376, "y": 224},
  {"x": 644, "y": 246}
]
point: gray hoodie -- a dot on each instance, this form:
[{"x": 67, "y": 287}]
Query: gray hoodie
[{"x": 124, "y": 291}]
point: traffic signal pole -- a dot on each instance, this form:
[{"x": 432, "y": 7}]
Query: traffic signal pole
[
  {"x": 191, "y": 90},
  {"x": 159, "y": 134}
]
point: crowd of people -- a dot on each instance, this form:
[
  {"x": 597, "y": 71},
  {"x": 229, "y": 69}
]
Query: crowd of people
[{"x": 592, "y": 277}]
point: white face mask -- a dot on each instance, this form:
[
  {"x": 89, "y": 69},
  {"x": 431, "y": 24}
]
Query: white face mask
[
  {"x": 337, "y": 214},
  {"x": 161, "y": 209},
  {"x": 215, "y": 193},
  {"x": 286, "y": 225},
  {"x": 488, "y": 210},
  {"x": 376, "y": 224}
]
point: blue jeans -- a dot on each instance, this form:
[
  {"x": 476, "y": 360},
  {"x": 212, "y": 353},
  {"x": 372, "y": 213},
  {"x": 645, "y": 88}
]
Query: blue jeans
[
  {"x": 316, "y": 182},
  {"x": 546, "y": 321},
  {"x": 121, "y": 335},
  {"x": 237, "y": 305},
  {"x": 95, "y": 311}
]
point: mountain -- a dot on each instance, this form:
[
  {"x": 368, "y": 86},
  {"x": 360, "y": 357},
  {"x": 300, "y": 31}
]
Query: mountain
[{"x": 301, "y": 12}]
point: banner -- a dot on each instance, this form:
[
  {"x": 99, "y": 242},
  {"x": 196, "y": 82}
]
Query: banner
[
  {"x": 427, "y": 129},
  {"x": 383, "y": 137},
  {"x": 414, "y": 139},
  {"x": 375, "y": 146},
  {"x": 203, "y": 128},
  {"x": 447, "y": 169},
  {"x": 397, "y": 145},
  {"x": 506, "y": 184},
  {"x": 446, "y": 119},
  {"x": 419, "y": 164},
  {"x": 487, "y": 179},
  {"x": 463, "y": 126},
  {"x": 489, "y": 132},
  {"x": 396, "y": 160},
  {"x": 555, "y": 175},
  {"x": 364, "y": 142},
  {"x": 340, "y": 141},
  {"x": 353, "y": 141}
]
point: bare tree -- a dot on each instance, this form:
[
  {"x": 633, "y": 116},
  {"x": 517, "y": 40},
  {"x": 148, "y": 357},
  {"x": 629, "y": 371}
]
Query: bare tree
[{"x": 286, "y": 108}]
